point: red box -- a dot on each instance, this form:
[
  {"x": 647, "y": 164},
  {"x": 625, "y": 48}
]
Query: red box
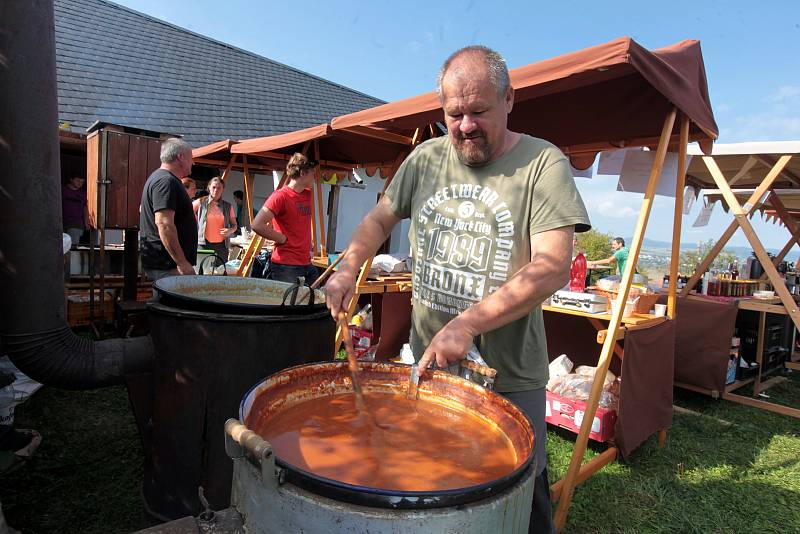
[
  {"x": 568, "y": 413},
  {"x": 362, "y": 340}
]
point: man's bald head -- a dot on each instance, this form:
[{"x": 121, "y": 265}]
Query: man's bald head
[{"x": 473, "y": 62}]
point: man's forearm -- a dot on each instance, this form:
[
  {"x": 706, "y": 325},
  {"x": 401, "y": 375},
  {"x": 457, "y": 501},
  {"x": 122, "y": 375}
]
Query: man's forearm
[
  {"x": 169, "y": 236},
  {"x": 528, "y": 288}
]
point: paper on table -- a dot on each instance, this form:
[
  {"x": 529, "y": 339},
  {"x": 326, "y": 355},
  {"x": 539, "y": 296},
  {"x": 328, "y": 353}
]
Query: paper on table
[
  {"x": 705, "y": 214},
  {"x": 636, "y": 172}
]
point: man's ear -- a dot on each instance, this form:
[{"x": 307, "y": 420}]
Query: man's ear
[{"x": 509, "y": 99}]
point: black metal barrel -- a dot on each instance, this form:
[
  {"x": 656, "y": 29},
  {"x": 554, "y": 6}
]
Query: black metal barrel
[{"x": 209, "y": 352}]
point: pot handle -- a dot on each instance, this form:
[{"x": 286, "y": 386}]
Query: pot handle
[
  {"x": 243, "y": 443},
  {"x": 215, "y": 256},
  {"x": 293, "y": 291}
]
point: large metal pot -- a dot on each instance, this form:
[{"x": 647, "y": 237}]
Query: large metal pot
[
  {"x": 209, "y": 352},
  {"x": 234, "y": 294},
  {"x": 297, "y": 384}
]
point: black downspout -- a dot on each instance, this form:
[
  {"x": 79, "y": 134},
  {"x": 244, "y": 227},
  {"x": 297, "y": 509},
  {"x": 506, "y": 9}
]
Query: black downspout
[{"x": 33, "y": 328}]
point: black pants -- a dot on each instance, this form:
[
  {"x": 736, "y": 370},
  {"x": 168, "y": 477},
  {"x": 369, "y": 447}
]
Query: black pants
[{"x": 533, "y": 403}]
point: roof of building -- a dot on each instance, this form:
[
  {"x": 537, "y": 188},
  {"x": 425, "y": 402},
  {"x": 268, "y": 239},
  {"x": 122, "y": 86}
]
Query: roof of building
[{"x": 120, "y": 66}]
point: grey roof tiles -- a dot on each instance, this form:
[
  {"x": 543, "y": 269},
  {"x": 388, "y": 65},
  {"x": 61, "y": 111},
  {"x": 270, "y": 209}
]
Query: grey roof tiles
[{"x": 120, "y": 66}]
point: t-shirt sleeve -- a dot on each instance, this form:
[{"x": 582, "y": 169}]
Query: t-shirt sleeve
[
  {"x": 164, "y": 195},
  {"x": 556, "y": 201},
  {"x": 274, "y": 204},
  {"x": 401, "y": 190}
]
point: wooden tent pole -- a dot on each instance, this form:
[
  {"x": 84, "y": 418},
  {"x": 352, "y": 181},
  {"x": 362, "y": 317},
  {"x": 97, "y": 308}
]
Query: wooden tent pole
[
  {"x": 318, "y": 191},
  {"x": 228, "y": 167},
  {"x": 752, "y": 201},
  {"x": 782, "y": 254},
  {"x": 613, "y": 328},
  {"x": 249, "y": 182},
  {"x": 680, "y": 184},
  {"x": 741, "y": 217}
]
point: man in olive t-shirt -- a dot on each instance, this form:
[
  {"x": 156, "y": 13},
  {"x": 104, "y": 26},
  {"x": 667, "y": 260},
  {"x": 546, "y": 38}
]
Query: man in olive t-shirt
[{"x": 493, "y": 214}]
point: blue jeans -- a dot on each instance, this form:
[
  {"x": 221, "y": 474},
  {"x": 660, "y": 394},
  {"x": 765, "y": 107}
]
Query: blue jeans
[{"x": 289, "y": 273}]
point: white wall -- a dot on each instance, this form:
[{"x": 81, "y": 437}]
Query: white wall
[{"x": 354, "y": 204}]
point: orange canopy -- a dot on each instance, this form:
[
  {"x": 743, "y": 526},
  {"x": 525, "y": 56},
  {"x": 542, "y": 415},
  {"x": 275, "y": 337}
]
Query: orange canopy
[{"x": 608, "y": 96}]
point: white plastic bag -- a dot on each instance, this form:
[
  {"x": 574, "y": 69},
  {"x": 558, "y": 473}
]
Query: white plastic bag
[{"x": 559, "y": 367}]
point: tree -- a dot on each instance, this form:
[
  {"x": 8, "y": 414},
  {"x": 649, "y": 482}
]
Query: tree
[
  {"x": 690, "y": 259},
  {"x": 595, "y": 245}
]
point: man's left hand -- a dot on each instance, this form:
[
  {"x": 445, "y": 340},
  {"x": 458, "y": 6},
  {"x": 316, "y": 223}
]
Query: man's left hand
[{"x": 449, "y": 346}]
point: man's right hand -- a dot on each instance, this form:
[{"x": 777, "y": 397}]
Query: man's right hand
[
  {"x": 339, "y": 291},
  {"x": 186, "y": 268}
]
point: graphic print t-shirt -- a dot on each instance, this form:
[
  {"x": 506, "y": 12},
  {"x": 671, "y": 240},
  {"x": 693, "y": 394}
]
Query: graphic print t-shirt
[
  {"x": 470, "y": 232},
  {"x": 292, "y": 211}
]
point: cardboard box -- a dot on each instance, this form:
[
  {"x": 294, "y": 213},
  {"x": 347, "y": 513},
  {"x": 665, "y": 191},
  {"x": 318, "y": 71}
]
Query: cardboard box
[
  {"x": 77, "y": 306},
  {"x": 568, "y": 413},
  {"x": 362, "y": 340}
]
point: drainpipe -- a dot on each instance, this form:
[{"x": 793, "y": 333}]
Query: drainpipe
[{"x": 33, "y": 328}]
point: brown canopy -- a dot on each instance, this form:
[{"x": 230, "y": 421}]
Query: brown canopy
[
  {"x": 604, "y": 97},
  {"x": 601, "y": 98}
]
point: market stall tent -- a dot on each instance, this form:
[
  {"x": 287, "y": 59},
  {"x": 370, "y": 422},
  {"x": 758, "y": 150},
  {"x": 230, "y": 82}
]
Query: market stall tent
[{"x": 766, "y": 177}]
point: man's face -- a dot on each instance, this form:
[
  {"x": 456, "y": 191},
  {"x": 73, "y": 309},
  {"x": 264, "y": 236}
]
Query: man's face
[
  {"x": 306, "y": 178},
  {"x": 185, "y": 160},
  {"x": 476, "y": 117},
  {"x": 615, "y": 245}
]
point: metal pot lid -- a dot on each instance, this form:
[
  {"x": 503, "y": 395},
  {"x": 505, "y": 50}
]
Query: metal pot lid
[
  {"x": 302, "y": 382},
  {"x": 234, "y": 294}
]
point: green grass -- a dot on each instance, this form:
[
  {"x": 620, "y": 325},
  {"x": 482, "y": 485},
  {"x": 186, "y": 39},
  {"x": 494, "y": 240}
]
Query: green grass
[{"x": 712, "y": 477}]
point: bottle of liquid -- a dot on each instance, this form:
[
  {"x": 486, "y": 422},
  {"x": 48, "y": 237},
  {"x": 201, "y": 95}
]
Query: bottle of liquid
[{"x": 577, "y": 274}]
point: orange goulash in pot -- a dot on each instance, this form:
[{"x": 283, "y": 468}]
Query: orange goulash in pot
[{"x": 421, "y": 445}]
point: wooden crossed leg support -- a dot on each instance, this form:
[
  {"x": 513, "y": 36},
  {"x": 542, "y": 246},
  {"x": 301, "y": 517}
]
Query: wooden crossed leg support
[{"x": 741, "y": 220}]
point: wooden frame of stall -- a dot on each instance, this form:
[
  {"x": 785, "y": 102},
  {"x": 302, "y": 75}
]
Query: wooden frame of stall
[{"x": 764, "y": 196}]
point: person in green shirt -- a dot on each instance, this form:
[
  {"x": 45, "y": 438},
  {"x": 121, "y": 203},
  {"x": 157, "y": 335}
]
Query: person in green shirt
[
  {"x": 619, "y": 256},
  {"x": 493, "y": 213}
]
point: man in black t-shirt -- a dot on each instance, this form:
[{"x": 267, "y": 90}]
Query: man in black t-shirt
[{"x": 167, "y": 225}]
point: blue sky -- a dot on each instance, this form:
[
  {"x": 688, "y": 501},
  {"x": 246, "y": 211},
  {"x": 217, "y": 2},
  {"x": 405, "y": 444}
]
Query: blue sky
[{"x": 393, "y": 50}]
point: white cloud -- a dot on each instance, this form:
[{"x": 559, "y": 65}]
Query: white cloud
[
  {"x": 784, "y": 93},
  {"x": 722, "y": 108},
  {"x": 611, "y": 205}
]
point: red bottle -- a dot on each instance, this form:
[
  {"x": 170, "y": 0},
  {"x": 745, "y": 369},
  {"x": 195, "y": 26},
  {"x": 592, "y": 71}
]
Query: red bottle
[{"x": 577, "y": 274}]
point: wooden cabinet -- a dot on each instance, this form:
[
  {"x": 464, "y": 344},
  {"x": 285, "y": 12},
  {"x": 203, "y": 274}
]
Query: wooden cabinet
[{"x": 117, "y": 166}]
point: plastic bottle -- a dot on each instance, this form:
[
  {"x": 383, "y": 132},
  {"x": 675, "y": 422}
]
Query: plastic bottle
[{"x": 577, "y": 274}]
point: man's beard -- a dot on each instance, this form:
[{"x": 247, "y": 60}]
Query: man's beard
[{"x": 473, "y": 150}]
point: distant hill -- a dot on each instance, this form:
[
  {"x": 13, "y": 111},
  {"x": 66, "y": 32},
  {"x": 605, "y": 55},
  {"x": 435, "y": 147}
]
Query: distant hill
[{"x": 652, "y": 244}]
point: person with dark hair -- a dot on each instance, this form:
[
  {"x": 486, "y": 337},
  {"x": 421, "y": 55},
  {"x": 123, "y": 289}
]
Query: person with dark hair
[
  {"x": 215, "y": 220},
  {"x": 167, "y": 225},
  {"x": 493, "y": 213},
  {"x": 74, "y": 208},
  {"x": 190, "y": 185},
  {"x": 619, "y": 257},
  {"x": 286, "y": 220},
  {"x": 238, "y": 199}
]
